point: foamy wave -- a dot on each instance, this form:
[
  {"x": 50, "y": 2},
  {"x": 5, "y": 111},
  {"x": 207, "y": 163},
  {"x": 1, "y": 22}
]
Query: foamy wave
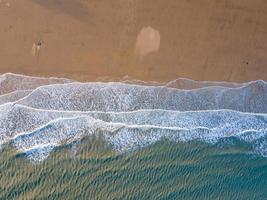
[
  {"x": 179, "y": 83},
  {"x": 124, "y": 97},
  {"x": 38, "y": 114},
  {"x": 125, "y": 137},
  {"x": 14, "y": 86},
  {"x": 31, "y": 129}
]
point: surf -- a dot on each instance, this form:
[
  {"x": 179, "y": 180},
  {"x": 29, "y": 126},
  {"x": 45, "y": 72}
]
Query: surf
[{"x": 43, "y": 113}]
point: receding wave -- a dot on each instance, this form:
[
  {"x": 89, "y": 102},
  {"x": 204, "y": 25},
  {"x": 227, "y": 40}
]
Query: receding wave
[
  {"x": 124, "y": 97},
  {"x": 15, "y": 86},
  {"x": 131, "y": 115},
  {"x": 12, "y": 82}
]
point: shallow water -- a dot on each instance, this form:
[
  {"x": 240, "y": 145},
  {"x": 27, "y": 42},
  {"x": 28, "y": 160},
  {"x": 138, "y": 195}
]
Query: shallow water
[{"x": 165, "y": 170}]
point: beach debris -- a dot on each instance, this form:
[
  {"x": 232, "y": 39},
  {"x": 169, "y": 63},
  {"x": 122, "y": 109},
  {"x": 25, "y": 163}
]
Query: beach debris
[{"x": 36, "y": 47}]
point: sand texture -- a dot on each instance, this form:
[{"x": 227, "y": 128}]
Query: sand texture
[{"x": 85, "y": 39}]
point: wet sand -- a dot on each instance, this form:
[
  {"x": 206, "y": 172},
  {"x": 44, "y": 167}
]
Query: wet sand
[{"x": 84, "y": 39}]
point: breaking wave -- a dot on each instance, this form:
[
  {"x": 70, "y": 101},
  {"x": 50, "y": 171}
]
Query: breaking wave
[{"x": 48, "y": 112}]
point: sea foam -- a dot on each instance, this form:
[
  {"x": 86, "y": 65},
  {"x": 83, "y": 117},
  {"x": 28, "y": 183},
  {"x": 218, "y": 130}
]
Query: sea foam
[
  {"x": 124, "y": 97},
  {"x": 42, "y": 113}
]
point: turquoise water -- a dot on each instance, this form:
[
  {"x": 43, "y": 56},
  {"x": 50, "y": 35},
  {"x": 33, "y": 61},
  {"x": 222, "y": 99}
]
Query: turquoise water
[{"x": 164, "y": 170}]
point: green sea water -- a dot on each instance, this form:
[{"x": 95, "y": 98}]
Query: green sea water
[{"x": 90, "y": 169}]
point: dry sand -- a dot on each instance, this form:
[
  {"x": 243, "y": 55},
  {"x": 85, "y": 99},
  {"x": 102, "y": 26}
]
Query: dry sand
[{"x": 87, "y": 39}]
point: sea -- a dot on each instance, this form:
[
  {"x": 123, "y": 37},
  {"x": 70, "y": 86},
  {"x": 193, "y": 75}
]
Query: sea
[{"x": 131, "y": 139}]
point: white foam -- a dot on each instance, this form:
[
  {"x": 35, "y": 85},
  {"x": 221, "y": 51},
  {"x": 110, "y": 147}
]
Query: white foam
[
  {"x": 124, "y": 97},
  {"x": 14, "y": 96},
  {"x": 128, "y": 137},
  {"x": 129, "y": 116},
  {"x": 15, "y": 119},
  {"x": 126, "y": 131}
]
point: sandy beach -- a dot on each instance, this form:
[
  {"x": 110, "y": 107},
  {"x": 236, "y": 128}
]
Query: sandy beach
[{"x": 84, "y": 39}]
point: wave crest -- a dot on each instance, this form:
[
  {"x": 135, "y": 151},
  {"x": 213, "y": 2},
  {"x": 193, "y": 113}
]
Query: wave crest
[{"x": 52, "y": 112}]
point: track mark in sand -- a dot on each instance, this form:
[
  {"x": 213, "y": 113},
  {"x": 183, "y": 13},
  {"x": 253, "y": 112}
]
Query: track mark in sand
[{"x": 129, "y": 21}]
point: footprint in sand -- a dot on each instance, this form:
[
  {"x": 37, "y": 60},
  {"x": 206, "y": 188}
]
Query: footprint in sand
[{"x": 36, "y": 47}]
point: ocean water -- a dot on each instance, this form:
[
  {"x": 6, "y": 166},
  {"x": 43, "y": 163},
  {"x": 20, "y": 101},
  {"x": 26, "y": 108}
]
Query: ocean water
[{"x": 62, "y": 139}]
